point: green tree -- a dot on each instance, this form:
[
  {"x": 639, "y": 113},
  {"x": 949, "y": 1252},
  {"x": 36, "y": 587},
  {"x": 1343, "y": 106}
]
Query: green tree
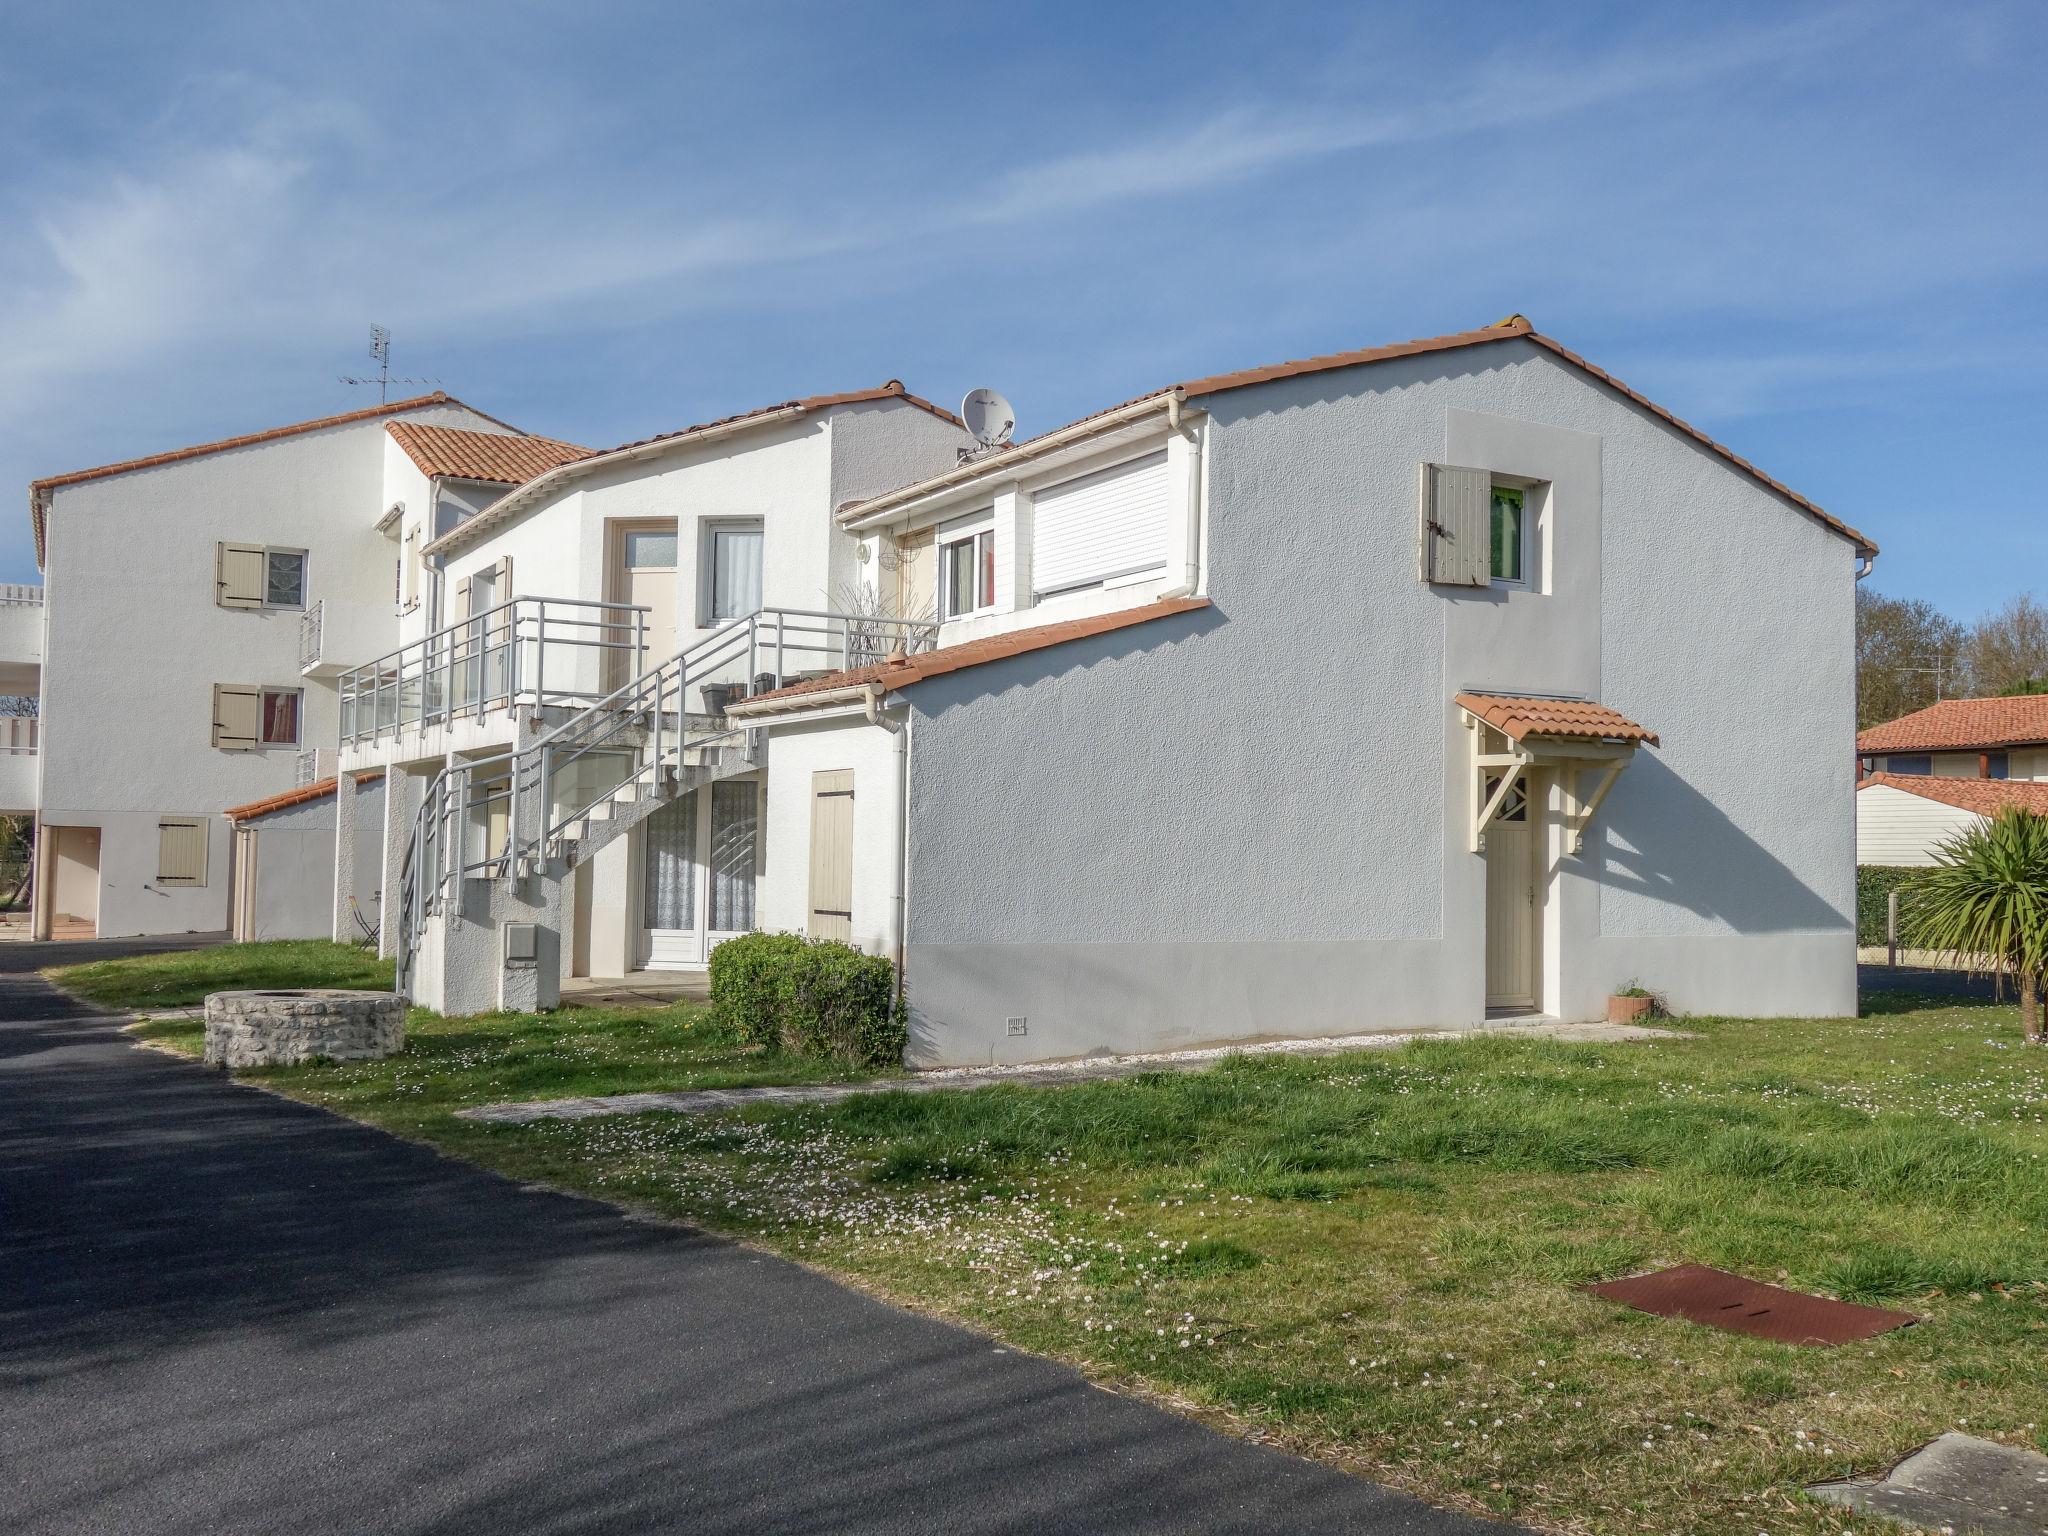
[
  {"x": 2008, "y": 648},
  {"x": 1986, "y": 901},
  {"x": 1908, "y": 654}
]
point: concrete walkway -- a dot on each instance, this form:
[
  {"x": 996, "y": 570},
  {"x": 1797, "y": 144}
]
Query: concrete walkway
[
  {"x": 706, "y": 1101},
  {"x": 223, "y": 1311}
]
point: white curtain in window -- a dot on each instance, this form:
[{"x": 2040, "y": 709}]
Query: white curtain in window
[
  {"x": 669, "y": 900},
  {"x": 735, "y": 573},
  {"x": 733, "y": 808}
]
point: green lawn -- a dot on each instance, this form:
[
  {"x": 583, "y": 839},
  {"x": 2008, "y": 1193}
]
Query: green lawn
[
  {"x": 182, "y": 979},
  {"x": 1374, "y": 1258}
]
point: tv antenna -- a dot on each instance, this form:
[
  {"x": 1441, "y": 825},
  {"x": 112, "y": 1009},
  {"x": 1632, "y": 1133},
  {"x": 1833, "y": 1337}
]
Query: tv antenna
[
  {"x": 990, "y": 418},
  {"x": 380, "y": 350}
]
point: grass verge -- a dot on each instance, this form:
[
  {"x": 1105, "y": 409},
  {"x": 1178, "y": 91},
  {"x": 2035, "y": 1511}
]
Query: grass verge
[
  {"x": 183, "y": 978},
  {"x": 1374, "y": 1258}
]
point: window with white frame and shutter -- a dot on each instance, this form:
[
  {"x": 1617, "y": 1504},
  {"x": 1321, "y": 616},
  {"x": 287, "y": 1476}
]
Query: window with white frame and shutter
[
  {"x": 258, "y": 576},
  {"x": 181, "y": 850},
  {"x": 1100, "y": 527},
  {"x": 246, "y": 717}
]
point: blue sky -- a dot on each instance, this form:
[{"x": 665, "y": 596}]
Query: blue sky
[{"x": 1817, "y": 232}]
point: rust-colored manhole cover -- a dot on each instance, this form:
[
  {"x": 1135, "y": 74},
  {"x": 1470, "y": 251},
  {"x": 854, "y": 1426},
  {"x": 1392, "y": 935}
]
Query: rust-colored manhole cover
[{"x": 1722, "y": 1300}]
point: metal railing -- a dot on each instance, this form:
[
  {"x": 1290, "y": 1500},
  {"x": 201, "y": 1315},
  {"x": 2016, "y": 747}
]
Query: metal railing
[
  {"x": 311, "y": 622},
  {"x": 469, "y": 820},
  {"x": 20, "y": 594},
  {"x": 526, "y": 650},
  {"x": 682, "y": 703},
  {"x": 19, "y": 735}
]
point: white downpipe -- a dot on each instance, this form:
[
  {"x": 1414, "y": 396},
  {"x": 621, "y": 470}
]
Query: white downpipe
[
  {"x": 1191, "y": 575},
  {"x": 900, "y": 729}
]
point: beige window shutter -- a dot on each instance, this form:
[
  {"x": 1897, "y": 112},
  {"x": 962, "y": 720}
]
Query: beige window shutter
[
  {"x": 238, "y": 571},
  {"x": 410, "y": 570},
  {"x": 462, "y": 598},
  {"x": 181, "y": 850},
  {"x": 1456, "y": 513},
  {"x": 237, "y": 717},
  {"x": 501, "y": 592},
  {"x": 832, "y": 855}
]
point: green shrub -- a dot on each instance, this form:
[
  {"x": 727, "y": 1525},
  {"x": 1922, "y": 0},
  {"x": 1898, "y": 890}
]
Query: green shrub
[
  {"x": 1874, "y": 882},
  {"x": 750, "y": 985},
  {"x": 843, "y": 1004},
  {"x": 808, "y": 997}
]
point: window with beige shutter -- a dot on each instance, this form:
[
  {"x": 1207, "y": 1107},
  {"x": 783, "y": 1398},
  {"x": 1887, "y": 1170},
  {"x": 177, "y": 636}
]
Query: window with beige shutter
[
  {"x": 237, "y": 717},
  {"x": 239, "y": 572},
  {"x": 181, "y": 850},
  {"x": 1456, "y": 532},
  {"x": 409, "y": 572},
  {"x": 832, "y": 855}
]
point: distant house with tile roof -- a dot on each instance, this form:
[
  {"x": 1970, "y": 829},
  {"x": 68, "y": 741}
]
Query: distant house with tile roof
[{"x": 1931, "y": 774}]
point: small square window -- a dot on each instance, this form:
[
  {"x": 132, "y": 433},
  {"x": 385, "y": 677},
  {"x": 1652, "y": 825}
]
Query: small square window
[
  {"x": 1507, "y": 526},
  {"x": 1996, "y": 765},
  {"x": 280, "y": 717},
  {"x": 653, "y": 550},
  {"x": 284, "y": 578}
]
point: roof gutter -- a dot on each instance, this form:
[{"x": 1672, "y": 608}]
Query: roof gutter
[
  {"x": 544, "y": 485},
  {"x": 875, "y": 510},
  {"x": 864, "y": 694}
]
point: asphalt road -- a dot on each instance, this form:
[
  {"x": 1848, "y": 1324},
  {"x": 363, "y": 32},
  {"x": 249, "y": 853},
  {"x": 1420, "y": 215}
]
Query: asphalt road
[{"x": 222, "y": 1312}]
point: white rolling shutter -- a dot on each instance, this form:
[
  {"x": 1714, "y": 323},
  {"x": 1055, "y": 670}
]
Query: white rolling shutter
[
  {"x": 1101, "y": 526},
  {"x": 1457, "y": 509}
]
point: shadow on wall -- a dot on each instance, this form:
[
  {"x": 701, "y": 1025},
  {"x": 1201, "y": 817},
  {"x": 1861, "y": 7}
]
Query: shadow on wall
[
  {"x": 1659, "y": 838},
  {"x": 992, "y": 678}
]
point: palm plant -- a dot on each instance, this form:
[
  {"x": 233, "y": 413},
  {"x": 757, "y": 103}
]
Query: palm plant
[{"x": 1986, "y": 901}]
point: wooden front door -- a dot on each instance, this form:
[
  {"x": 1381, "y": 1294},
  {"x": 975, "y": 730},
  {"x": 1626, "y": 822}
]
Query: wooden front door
[
  {"x": 832, "y": 855},
  {"x": 1513, "y": 931}
]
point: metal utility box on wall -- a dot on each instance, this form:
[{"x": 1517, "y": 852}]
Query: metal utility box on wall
[{"x": 522, "y": 944}]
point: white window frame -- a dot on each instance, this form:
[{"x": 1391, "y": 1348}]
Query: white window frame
[
  {"x": 305, "y": 559},
  {"x": 708, "y": 529},
  {"x": 1527, "y": 492},
  {"x": 968, "y": 531},
  {"x": 265, "y": 692}
]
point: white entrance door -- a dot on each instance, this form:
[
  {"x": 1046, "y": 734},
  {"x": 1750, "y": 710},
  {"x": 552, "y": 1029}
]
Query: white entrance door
[
  {"x": 645, "y": 575},
  {"x": 1512, "y": 930},
  {"x": 698, "y": 873}
]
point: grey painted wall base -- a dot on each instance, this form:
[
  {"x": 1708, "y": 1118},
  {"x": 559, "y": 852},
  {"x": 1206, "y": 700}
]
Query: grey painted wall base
[
  {"x": 461, "y": 967},
  {"x": 1089, "y": 999}
]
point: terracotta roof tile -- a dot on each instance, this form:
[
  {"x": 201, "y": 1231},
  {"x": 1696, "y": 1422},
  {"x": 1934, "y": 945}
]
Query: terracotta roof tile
[
  {"x": 39, "y": 490},
  {"x": 292, "y": 797},
  {"x": 499, "y": 457},
  {"x": 1515, "y": 327},
  {"x": 973, "y": 653},
  {"x": 1960, "y": 725},
  {"x": 1518, "y": 717},
  {"x": 1987, "y": 797}
]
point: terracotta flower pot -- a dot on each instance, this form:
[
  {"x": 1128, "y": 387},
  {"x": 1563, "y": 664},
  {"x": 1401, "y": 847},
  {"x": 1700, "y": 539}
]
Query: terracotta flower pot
[{"x": 1626, "y": 1010}]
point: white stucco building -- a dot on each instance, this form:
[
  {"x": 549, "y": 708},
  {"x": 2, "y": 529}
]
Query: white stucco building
[
  {"x": 194, "y": 602},
  {"x": 1385, "y": 689}
]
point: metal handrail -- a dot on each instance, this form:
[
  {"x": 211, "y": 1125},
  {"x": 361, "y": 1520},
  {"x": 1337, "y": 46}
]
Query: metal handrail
[
  {"x": 494, "y": 660},
  {"x": 656, "y": 705},
  {"x": 311, "y": 624}
]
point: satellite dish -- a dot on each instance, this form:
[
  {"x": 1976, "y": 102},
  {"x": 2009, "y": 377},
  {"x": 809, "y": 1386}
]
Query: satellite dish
[{"x": 988, "y": 416}]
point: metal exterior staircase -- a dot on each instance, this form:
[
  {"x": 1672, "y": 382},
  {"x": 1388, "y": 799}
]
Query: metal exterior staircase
[{"x": 547, "y": 807}]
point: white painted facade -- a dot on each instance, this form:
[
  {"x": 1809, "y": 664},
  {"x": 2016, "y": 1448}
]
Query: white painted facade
[
  {"x": 1253, "y": 819},
  {"x": 136, "y": 643},
  {"x": 1901, "y": 829}
]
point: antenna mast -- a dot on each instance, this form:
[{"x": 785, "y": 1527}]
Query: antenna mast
[{"x": 380, "y": 352}]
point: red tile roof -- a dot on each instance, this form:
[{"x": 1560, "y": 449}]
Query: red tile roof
[
  {"x": 292, "y": 797},
  {"x": 38, "y": 490},
  {"x": 1987, "y": 797},
  {"x": 1515, "y": 327},
  {"x": 1962, "y": 725},
  {"x": 502, "y": 458},
  {"x": 1518, "y": 718},
  {"x": 902, "y": 672}
]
